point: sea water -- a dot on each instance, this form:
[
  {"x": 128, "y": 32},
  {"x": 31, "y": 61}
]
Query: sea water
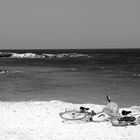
[{"x": 78, "y": 80}]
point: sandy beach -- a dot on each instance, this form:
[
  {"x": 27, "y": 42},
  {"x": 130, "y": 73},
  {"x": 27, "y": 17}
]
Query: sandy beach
[{"x": 41, "y": 121}]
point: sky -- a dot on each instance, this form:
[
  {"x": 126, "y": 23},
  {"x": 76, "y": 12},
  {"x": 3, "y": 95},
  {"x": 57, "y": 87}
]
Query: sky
[{"x": 69, "y": 24}]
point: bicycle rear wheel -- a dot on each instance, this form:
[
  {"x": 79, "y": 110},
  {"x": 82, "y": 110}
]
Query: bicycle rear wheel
[{"x": 72, "y": 115}]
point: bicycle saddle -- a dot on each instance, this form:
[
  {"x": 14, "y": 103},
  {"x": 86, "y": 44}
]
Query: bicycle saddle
[
  {"x": 125, "y": 112},
  {"x": 83, "y": 108}
]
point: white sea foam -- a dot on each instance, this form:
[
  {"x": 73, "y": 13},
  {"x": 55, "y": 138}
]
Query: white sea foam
[{"x": 43, "y": 55}]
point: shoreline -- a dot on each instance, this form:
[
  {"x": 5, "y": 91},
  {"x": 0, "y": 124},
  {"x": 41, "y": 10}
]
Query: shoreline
[{"x": 41, "y": 121}]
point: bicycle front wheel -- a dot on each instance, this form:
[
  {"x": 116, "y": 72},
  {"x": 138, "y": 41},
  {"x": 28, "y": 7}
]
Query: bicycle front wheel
[{"x": 72, "y": 115}]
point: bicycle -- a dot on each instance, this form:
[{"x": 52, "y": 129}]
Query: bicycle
[
  {"x": 77, "y": 114},
  {"x": 80, "y": 114}
]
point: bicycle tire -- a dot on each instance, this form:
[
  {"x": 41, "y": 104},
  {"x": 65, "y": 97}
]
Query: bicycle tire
[{"x": 72, "y": 115}]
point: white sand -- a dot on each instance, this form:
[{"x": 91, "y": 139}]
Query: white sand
[{"x": 41, "y": 121}]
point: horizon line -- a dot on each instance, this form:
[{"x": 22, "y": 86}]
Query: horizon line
[{"x": 68, "y": 48}]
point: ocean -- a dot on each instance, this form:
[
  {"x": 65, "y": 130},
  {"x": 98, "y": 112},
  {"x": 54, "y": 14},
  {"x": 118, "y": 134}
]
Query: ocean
[{"x": 84, "y": 78}]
